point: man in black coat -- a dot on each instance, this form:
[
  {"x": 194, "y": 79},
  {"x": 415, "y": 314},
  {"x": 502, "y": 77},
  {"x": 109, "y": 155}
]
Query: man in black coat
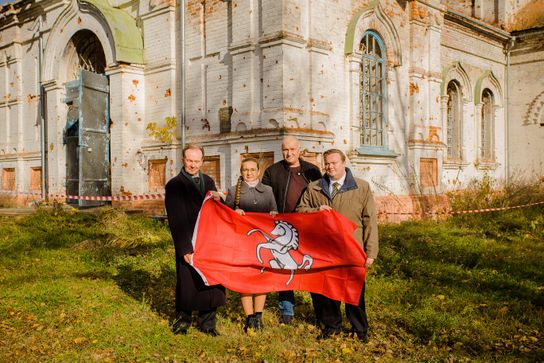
[
  {"x": 288, "y": 179},
  {"x": 184, "y": 196}
]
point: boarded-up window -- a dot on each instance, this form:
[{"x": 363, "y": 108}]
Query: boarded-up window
[
  {"x": 486, "y": 125},
  {"x": 35, "y": 179},
  {"x": 212, "y": 167},
  {"x": 265, "y": 160},
  {"x": 225, "y": 114},
  {"x": 8, "y": 179},
  {"x": 454, "y": 114},
  {"x": 428, "y": 173},
  {"x": 311, "y": 157},
  {"x": 156, "y": 178}
]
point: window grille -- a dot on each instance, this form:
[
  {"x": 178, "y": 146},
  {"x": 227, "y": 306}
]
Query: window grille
[{"x": 373, "y": 91}]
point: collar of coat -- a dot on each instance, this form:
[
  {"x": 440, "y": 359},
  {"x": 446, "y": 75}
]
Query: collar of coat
[
  {"x": 189, "y": 177},
  {"x": 259, "y": 187},
  {"x": 349, "y": 183},
  {"x": 303, "y": 164}
]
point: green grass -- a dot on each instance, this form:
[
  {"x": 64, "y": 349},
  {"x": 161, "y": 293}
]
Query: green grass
[{"x": 99, "y": 286}]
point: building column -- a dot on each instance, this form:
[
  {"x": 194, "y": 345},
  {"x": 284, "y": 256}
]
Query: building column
[
  {"x": 55, "y": 119},
  {"x": 426, "y": 19},
  {"x": 127, "y": 130}
]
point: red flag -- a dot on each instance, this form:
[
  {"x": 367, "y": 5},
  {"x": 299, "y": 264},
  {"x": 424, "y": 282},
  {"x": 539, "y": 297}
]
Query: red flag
[{"x": 258, "y": 253}]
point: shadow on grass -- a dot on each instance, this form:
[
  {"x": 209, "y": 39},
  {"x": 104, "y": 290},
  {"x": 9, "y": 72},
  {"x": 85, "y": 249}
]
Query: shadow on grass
[
  {"x": 304, "y": 312},
  {"x": 95, "y": 275},
  {"x": 157, "y": 291}
]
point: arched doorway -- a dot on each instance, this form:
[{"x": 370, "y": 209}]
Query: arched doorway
[{"x": 87, "y": 132}]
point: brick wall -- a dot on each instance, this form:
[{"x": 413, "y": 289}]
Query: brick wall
[
  {"x": 277, "y": 64},
  {"x": 396, "y": 209}
]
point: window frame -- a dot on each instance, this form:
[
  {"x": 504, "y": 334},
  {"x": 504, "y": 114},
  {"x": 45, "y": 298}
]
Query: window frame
[
  {"x": 375, "y": 87},
  {"x": 9, "y": 179},
  {"x": 487, "y": 120},
  {"x": 454, "y": 120}
]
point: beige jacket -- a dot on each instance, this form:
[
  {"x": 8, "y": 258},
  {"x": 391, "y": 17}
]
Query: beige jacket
[{"x": 354, "y": 201}]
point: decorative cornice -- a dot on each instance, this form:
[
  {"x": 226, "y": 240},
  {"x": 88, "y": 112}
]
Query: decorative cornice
[
  {"x": 137, "y": 69},
  {"x": 242, "y": 47},
  {"x": 282, "y": 36},
  {"x": 157, "y": 11},
  {"x": 319, "y": 45},
  {"x": 154, "y": 146},
  {"x": 477, "y": 26},
  {"x": 262, "y": 134}
]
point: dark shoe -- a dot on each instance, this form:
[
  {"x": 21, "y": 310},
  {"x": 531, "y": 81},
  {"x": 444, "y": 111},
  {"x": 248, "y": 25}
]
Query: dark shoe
[
  {"x": 360, "y": 336},
  {"x": 328, "y": 333},
  {"x": 259, "y": 321},
  {"x": 250, "y": 322},
  {"x": 286, "y": 319},
  {"x": 212, "y": 332},
  {"x": 363, "y": 338},
  {"x": 180, "y": 325}
]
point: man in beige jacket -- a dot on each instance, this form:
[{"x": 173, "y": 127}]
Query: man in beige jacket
[{"x": 351, "y": 197}]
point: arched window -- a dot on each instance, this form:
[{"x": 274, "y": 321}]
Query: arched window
[
  {"x": 486, "y": 125},
  {"x": 454, "y": 115},
  {"x": 373, "y": 91}
]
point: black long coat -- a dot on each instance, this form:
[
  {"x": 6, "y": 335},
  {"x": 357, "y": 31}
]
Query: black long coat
[{"x": 183, "y": 201}]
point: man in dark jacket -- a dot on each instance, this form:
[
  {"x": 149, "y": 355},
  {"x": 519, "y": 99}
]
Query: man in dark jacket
[
  {"x": 288, "y": 179},
  {"x": 184, "y": 196}
]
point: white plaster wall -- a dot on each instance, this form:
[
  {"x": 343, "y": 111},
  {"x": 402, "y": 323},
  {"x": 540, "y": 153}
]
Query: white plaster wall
[
  {"x": 278, "y": 64},
  {"x": 525, "y": 133},
  {"x": 476, "y": 56}
]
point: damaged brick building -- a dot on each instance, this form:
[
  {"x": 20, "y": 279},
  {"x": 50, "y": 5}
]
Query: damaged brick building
[{"x": 98, "y": 96}]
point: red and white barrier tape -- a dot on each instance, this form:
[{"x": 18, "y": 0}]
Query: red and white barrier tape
[
  {"x": 160, "y": 196},
  {"x": 99, "y": 198},
  {"x": 469, "y": 211}
]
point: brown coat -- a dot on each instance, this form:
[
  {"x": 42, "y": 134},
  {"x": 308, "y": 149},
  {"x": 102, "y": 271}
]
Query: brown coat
[
  {"x": 354, "y": 201},
  {"x": 183, "y": 201}
]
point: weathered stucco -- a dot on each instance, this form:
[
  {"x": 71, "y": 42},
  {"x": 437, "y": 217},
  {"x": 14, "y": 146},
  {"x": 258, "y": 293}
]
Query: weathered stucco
[{"x": 255, "y": 71}]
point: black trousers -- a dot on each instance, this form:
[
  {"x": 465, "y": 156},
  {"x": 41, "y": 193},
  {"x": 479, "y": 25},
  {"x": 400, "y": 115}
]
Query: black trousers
[
  {"x": 328, "y": 314},
  {"x": 206, "y": 319}
]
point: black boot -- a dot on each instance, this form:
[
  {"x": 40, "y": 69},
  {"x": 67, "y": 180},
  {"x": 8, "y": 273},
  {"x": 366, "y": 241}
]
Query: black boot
[
  {"x": 250, "y": 322},
  {"x": 259, "y": 321},
  {"x": 181, "y": 324}
]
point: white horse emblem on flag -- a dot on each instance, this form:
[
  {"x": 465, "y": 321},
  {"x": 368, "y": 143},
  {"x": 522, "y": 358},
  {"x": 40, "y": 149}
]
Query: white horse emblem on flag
[{"x": 280, "y": 246}]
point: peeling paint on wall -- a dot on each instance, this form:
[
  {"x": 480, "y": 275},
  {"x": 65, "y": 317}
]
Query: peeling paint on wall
[{"x": 414, "y": 88}]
